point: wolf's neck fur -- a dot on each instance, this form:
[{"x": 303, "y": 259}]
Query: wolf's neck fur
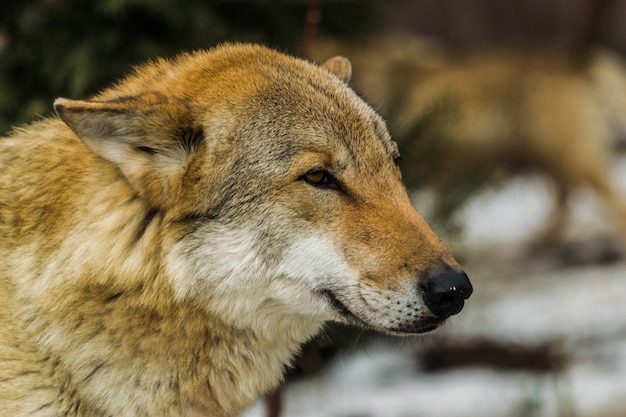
[
  {"x": 201, "y": 363},
  {"x": 180, "y": 358}
]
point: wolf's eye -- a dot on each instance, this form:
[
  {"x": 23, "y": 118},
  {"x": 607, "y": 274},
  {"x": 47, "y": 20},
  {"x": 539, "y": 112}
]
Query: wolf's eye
[
  {"x": 320, "y": 178},
  {"x": 397, "y": 159}
]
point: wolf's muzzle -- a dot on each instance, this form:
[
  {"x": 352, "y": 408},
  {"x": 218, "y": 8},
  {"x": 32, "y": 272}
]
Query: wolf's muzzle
[{"x": 445, "y": 292}]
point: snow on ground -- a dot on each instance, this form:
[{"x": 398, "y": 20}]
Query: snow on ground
[
  {"x": 392, "y": 389},
  {"x": 581, "y": 307}
]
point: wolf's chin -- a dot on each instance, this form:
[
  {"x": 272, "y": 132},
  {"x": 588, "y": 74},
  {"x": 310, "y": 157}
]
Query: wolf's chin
[{"x": 423, "y": 327}]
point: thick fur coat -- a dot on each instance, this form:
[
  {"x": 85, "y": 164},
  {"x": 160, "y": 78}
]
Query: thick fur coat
[{"x": 168, "y": 245}]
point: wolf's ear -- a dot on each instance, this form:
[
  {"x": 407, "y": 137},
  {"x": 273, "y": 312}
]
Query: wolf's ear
[
  {"x": 148, "y": 137},
  {"x": 339, "y": 66}
]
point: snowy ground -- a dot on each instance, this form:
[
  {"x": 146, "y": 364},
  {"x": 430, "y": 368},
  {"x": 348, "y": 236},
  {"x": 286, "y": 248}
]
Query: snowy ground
[{"x": 580, "y": 307}]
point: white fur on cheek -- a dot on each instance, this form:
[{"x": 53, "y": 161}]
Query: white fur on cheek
[
  {"x": 219, "y": 267},
  {"x": 224, "y": 270},
  {"x": 315, "y": 260}
]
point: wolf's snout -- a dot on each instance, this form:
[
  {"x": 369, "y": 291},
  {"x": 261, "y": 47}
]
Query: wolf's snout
[{"x": 446, "y": 291}]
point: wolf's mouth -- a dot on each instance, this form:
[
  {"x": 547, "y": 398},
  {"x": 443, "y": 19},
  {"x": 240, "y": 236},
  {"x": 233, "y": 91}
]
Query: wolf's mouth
[
  {"x": 352, "y": 318},
  {"x": 342, "y": 309}
]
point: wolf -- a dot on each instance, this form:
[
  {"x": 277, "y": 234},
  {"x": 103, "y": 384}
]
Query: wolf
[{"x": 169, "y": 244}]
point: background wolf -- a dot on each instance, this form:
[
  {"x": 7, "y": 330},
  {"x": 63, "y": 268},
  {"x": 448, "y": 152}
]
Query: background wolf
[{"x": 168, "y": 245}]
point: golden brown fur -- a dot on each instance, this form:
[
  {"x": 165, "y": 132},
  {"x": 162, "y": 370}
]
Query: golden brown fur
[{"x": 168, "y": 245}]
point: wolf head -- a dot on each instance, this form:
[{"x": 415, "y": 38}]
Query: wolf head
[{"x": 278, "y": 191}]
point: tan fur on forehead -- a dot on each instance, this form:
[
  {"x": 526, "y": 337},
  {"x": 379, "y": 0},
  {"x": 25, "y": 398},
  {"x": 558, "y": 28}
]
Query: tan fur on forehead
[
  {"x": 216, "y": 83},
  {"x": 234, "y": 70}
]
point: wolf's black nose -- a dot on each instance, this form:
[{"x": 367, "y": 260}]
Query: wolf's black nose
[{"x": 446, "y": 291}]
